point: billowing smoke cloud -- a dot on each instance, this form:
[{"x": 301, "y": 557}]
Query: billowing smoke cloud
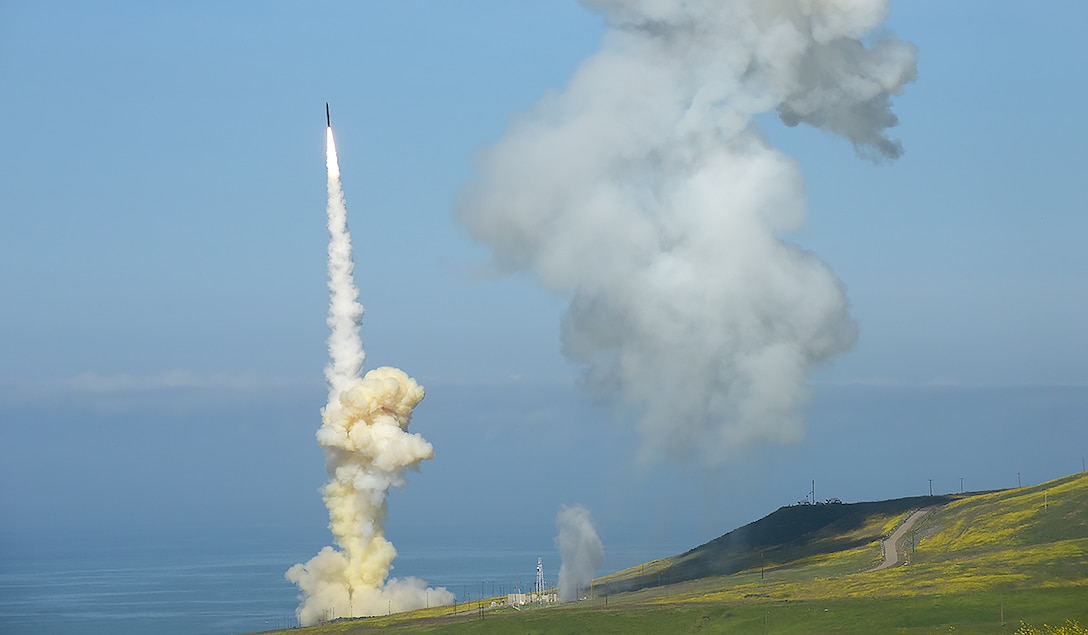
[
  {"x": 580, "y": 549},
  {"x": 368, "y": 448},
  {"x": 647, "y": 194}
]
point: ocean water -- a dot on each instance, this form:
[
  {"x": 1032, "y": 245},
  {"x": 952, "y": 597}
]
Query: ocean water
[
  {"x": 144, "y": 590},
  {"x": 202, "y": 588}
]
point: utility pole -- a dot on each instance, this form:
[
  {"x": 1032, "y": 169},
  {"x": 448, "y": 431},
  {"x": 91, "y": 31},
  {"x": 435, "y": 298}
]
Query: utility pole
[
  {"x": 1018, "y": 485},
  {"x": 961, "y": 485},
  {"x": 931, "y": 487}
]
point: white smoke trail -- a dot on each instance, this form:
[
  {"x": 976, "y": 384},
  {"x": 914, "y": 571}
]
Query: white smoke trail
[
  {"x": 346, "y": 355},
  {"x": 580, "y": 549},
  {"x": 368, "y": 448},
  {"x": 647, "y": 193}
]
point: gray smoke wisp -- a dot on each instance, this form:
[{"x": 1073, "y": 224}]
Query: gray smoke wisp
[
  {"x": 646, "y": 193},
  {"x": 580, "y": 549}
]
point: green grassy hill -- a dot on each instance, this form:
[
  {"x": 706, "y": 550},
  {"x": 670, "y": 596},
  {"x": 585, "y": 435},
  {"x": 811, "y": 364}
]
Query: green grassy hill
[{"x": 977, "y": 563}]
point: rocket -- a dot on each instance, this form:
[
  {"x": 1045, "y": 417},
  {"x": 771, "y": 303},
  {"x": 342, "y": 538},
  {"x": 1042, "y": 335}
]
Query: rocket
[{"x": 328, "y": 121}]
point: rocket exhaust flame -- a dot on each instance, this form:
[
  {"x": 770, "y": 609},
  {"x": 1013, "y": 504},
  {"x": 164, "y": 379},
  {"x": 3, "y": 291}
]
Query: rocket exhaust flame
[{"x": 368, "y": 448}]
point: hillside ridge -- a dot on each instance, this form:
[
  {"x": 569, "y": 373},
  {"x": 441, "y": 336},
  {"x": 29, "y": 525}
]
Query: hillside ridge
[{"x": 778, "y": 538}]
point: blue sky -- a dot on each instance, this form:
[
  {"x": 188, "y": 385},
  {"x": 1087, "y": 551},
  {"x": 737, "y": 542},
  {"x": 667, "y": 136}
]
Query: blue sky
[{"x": 162, "y": 242}]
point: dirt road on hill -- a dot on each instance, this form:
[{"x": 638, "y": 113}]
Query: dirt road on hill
[{"x": 893, "y": 554}]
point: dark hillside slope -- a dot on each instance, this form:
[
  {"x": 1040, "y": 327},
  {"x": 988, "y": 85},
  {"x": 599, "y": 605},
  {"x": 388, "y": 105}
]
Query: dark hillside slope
[{"x": 785, "y": 535}]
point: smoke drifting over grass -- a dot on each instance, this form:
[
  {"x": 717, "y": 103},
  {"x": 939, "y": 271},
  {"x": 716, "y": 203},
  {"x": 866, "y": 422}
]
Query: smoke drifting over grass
[
  {"x": 581, "y": 551},
  {"x": 646, "y": 193},
  {"x": 368, "y": 449}
]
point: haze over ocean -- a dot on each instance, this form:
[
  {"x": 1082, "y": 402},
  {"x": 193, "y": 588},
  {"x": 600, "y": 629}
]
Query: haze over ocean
[
  {"x": 208, "y": 586},
  {"x": 228, "y": 578}
]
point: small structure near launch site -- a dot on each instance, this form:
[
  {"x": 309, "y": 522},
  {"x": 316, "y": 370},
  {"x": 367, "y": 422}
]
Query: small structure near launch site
[{"x": 540, "y": 593}]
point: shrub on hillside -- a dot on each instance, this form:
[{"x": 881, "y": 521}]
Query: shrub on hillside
[{"x": 1071, "y": 627}]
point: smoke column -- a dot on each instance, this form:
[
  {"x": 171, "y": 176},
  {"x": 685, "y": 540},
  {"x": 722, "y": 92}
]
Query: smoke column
[
  {"x": 368, "y": 448},
  {"x": 580, "y": 549},
  {"x": 646, "y": 193}
]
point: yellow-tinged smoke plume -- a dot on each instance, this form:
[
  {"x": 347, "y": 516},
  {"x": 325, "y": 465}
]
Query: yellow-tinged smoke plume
[{"x": 364, "y": 432}]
